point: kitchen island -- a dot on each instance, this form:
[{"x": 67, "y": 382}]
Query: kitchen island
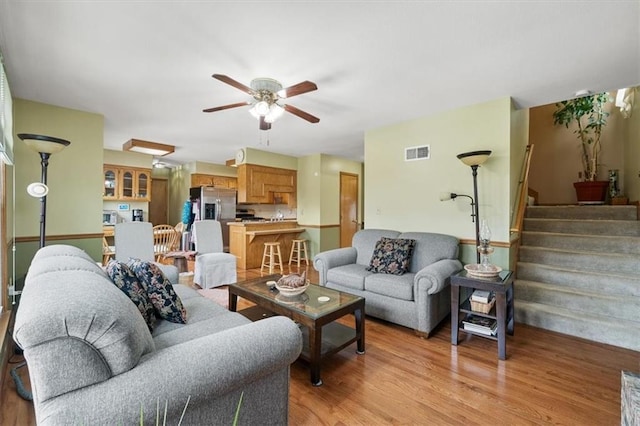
[{"x": 246, "y": 240}]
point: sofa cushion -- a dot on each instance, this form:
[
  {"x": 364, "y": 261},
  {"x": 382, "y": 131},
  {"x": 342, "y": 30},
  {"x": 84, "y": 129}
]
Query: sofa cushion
[
  {"x": 398, "y": 287},
  {"x": 127, "y": 281},
  {"x": 350, "y": 276},
  {"x": 365, "y": 240},
  {"x": 430, "y": 248},
  {"x": 391, "y": 256},
  {"x": 164, "y": 299}
]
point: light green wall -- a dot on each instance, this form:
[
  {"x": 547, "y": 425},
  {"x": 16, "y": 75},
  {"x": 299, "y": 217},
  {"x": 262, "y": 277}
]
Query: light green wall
[
  {"x": 215, "y": 169},
  {"x": 319, "y": 198},
  {"x": 128, "y": 158},
  {"x": 270, "y": 159},
  {"x": 74, "y": 203},
  {"x": 405, "y": 196}
]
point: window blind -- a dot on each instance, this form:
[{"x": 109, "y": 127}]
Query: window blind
[{"x": 6, "y": 118}]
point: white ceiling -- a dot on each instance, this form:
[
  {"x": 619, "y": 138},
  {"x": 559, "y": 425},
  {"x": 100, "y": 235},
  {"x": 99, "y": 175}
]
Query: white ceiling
[{"x": 147, "y": 65}]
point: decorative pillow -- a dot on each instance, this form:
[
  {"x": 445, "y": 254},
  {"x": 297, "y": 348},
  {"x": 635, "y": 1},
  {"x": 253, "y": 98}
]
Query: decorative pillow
[
  {"x": 163, "y": 297},
  {"x": 391, "y": 256},
  {"x": 127, "y": 281}
]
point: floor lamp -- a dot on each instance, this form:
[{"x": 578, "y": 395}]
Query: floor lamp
[
  {"x": 45, "y": 146},
  {"x": 474, "y": 159}
]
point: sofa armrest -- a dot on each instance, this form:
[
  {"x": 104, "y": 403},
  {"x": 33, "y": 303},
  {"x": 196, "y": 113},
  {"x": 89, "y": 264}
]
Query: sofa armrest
[
  {"x": 434, "y": 278},
  {"x": 326, "y": 260},
  {"x": 211, "y": 371}
]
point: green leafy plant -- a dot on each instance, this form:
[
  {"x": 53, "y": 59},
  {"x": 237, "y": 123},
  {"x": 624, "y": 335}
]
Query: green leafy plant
[{"x": 590, "y": 117}]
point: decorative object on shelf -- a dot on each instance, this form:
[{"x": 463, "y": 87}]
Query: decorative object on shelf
[
  {"x": 45, "y": 146},
  {"x": 613, "y": 183},
  {"x": 485, "y": 248},
  {"x": 446, "y": 196},
  {"x": 476, "y": 270},
  {"x": 588, "y": 113},
  {"x": 266, "y": 93},
  {"x": 474, "y": 159}
]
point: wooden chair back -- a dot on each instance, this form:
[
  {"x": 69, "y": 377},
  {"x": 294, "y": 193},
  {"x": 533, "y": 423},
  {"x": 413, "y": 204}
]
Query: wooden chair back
[{"x": 164, "y": 240}]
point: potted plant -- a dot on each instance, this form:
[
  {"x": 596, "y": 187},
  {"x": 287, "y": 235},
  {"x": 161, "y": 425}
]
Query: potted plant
[{"x": 590, "y": 117}]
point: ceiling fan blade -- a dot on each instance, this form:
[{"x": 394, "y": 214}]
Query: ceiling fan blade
[
  {"x": 263, "y": 124},
  {"x": 220, "y": 108},
  {"x": 300, "y": 113},
  {"x": 297, "y": 89},
  {"x": 226, "y": 79}
]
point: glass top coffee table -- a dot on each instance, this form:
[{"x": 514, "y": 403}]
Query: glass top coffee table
[{"x": 317, "y": 310}]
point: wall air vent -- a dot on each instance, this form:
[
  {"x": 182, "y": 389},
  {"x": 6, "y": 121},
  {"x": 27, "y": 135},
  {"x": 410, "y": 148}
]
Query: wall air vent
[{"x": 414, "y": 153}]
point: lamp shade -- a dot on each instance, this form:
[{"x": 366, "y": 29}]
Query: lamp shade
[
  {"x": 44, "y": 144},
  {"x": 474, "y": 158}
]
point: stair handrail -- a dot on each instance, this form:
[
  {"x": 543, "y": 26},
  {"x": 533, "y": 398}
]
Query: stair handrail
[{"x": 523, "y": 193}]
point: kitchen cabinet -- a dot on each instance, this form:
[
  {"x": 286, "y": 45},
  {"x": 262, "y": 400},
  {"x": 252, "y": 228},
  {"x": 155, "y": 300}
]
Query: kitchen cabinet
[
  {"x": 126, "y": 183},
  {"x": 200, "y": 179},
  {"x": 267, "y": 185}
]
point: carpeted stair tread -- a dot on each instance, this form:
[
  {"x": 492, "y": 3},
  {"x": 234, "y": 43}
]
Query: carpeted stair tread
[
  {"x": 629, "y": 228},
  {"x": 583, "y": 212},
  {"x": 596, "y": 303},
  {"x": 622, "y": 264},
  {"x": 611, "y": 331},
  {"x": 614, "y": 284},
  {"x": 582, "y": 242}
]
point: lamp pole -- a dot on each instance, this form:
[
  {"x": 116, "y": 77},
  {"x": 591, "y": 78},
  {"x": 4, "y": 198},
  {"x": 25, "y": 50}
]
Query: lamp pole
[
  {"x": 44, "y": 157},
  {"x": 474, "y": 172}
]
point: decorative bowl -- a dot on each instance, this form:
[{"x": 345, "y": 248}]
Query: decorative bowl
[
  {"x": 481, "y": 271},
  {"x": 291, "y": 291}
]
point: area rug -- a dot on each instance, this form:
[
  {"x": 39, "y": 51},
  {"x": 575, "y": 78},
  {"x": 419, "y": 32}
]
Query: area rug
[{"x": 219, "y": 295}]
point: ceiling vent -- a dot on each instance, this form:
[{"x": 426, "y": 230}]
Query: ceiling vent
[{"x": 414, "y": 153}]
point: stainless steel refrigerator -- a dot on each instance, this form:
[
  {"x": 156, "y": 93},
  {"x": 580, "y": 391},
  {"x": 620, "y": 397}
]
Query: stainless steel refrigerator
[{"x": 217, "y": 204}]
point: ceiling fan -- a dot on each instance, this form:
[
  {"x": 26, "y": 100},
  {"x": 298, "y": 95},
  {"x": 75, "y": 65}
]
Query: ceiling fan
[{"x": 267, "y": 94}]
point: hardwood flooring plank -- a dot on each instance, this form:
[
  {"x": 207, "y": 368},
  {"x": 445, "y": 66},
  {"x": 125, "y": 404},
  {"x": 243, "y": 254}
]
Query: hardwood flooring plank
[{"x": 402, "y": 379}]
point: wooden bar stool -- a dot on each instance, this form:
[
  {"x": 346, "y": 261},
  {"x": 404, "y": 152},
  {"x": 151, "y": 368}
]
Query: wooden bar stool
[
  {"x": 271, "y": 257},
  {"x": 298, "y": 252}
]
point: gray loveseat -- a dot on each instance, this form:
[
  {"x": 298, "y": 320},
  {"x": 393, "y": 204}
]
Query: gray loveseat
[
  {"x": 418, "y": 299},
  {"x": 92, "y": 359}
]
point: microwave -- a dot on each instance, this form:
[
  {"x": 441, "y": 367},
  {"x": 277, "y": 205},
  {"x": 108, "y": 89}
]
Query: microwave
[{"x": 109, "y": 217}]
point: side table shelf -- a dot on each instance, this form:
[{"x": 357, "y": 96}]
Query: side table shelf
[{"x": 502, "y": 312}]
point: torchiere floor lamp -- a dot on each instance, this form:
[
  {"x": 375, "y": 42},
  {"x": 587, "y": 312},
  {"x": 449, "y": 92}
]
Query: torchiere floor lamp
[
  {"x": 474, "y": 159},
  {"x": 45, "y": 146}
]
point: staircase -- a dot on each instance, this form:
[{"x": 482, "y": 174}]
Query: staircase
[{"x": 579, "y": 272}]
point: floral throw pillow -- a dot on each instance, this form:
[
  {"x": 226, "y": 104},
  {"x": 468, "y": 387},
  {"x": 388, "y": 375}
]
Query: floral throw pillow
[
  {"x": 127, "y": 281},
  {"x": 392, "y": 256},
  {"x": 163, "y": 297}
]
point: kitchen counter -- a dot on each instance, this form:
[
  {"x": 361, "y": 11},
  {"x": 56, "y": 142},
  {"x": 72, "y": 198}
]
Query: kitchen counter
[{"x": 246, "y": 240}]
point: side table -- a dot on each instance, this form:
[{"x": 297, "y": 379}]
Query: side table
[{"x": 502, "y": 312}]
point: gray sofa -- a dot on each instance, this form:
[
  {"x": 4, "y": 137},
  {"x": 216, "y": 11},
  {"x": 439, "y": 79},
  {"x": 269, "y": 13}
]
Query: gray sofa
[
  {"x": 92, "y": 359},
  {"x": 419, "y": 299}
]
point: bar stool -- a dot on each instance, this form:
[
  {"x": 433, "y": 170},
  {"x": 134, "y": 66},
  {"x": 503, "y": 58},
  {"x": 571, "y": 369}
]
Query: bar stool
[
  {"x": 298, "y": 252},
  {"x": 271, "y": 257}
]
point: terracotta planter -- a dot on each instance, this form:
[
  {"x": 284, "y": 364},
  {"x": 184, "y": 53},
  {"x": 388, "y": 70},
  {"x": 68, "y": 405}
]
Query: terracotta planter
[{"x": 591, "y": 192}]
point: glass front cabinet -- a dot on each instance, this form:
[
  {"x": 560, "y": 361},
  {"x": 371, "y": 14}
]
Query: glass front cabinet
[{"x": 126, "y": 183}]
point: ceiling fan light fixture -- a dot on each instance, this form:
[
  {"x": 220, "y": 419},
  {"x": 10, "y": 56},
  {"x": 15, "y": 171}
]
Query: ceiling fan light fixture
[
  {"x": 262, "y": 108},
  {"x": 275, "y": 112}
]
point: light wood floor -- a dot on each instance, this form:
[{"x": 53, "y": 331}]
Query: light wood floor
[{"x": 548, "y": 378}]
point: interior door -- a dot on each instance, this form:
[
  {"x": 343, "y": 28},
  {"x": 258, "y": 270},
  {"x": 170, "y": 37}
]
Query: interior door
[
  {"x": 159, "y": 203},
  {"x": 348, "y": 208}
]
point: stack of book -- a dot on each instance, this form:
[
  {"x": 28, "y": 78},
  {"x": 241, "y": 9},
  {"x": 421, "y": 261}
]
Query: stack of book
[
  {"x": 481, "y": 325},
  {"x": 482, "y": 296}
]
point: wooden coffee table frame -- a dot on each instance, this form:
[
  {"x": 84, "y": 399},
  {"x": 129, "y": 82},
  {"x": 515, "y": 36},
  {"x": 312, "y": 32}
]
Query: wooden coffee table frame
[{"x": 322, "y": 334}]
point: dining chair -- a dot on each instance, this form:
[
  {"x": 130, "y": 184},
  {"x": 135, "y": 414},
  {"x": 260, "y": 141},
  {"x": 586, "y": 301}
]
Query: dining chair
[
  {"x": 108, "y": 251},
  {"x": 164, "y": 240},
  {"x": 135, "y": 240},
  {"x": 213, "y": 267}
]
